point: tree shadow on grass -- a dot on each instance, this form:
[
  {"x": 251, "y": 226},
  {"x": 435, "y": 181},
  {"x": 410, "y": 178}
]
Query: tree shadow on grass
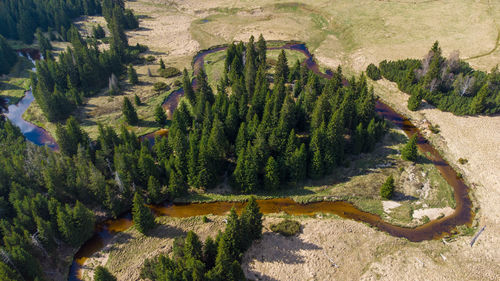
[
  {"x": 166, "y": 231},
  {"x": 399, "y": 196},
  {"x": 283, "y": 249}
]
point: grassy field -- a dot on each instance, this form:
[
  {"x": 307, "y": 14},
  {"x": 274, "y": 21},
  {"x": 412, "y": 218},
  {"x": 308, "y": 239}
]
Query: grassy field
[{"x": 353, "y": 33}]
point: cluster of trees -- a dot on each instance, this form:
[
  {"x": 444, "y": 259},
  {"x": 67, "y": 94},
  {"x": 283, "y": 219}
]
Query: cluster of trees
[
  {"x": 60, "y": 85},
  {"x": 450, "y": 84},
  {"x": 263, "y": 135},
  {"x": 373, "y": 72},
  {"x": 217, "y": 259},
  {"x": 42, "y": 204},
  {"x": 8, "y": 56},
  {"x": 303, "y": 125},
  {"x": 20, "y": 19}
]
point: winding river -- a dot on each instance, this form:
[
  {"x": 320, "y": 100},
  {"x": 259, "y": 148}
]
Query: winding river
[{"x": 432, "y": 230}]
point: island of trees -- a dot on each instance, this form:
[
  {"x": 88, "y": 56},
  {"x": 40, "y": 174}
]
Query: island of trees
[{"x": 450, "y": 83}]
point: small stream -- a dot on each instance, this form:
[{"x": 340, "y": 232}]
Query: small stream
[
  {"x": 431, "y": 230},
  {"x": 33, "y": 133}
]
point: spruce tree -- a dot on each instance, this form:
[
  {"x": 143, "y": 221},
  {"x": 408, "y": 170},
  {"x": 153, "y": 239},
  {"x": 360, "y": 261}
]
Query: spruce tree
[
  {"x": 154, "y": 190},
  {"x": 162, "y": 64},
  {"x": 160, "y": 116},
  {"x": 137, "y": 100},
  {"x": 209, "y": 252},
  {"x": 281, "y": 69},
  {"x": 188, "y": 88},
  {"x": 261, "y": 50},
  {"x": 478, "y": 103},
  {"x": 387, "y": 189},
  {"x": 129, "y": 112},
  {"x": 251, "y": 220},
  {"x": 142, "y": 216},
  {"x": 415, "y": 101},
  {"x": 132, "y": 75},
  {"x": 410, "y": 150},
  {"x": 271, "y": 176},
  {"x": 193, "y": 246}
]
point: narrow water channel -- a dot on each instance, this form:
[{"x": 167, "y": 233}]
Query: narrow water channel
[{"x": 431, "y": 230}]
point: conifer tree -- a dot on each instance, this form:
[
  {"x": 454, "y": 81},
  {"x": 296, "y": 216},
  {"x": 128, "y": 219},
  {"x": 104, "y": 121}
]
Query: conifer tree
[
  {"x": 387, "y": 189},
  {"x": 154, "y": 190},
  {"x": 358, "y": 139},
  {"x": 209, "y": 252},
  {"x": 410, "y": 150},
  {"x": 271, "y": 176},
  {"x": 132, "y": 75},
  {"x": 142, "y": 216},
  {"x": 160, "y": 116},
  {"x": 137, "y": 100},
  {"x": 281, "y": 69},
  {"x": 162, "y": 64},
  {"x": 129, "y": 112},
  {"x": 477, "y": 105},
  {"x": 261, "y": 50},
  {"x": 193, "y": 246},
  {"x": 232, "y": 235},
  {"x": 251, "y": 220}
]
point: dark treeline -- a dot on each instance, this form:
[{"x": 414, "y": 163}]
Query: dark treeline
[
  {"x": 20, "y": 19},
  {"x": 8, "y": 56},
  {"x": 60, "y": 85},
  {"x": 450, "y": 84},
  {"x": 215, "y": 259}
]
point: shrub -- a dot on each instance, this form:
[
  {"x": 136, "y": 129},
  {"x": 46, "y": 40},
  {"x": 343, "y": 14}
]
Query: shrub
[
  {"x": 387, "y": 189},
  {"x": 150, "y": 58},
  {"x": 160, "y": 86},
  {"x": 373, "y": 72},
  {"x": 463, "y": 161},
  {"x": 169, "y": 72},
  {"x": 434, "y": 129},
  {"x": 286, "y": 227},
  {"x": 177, "y": 83},
  {"x": 205, "y": 219}
]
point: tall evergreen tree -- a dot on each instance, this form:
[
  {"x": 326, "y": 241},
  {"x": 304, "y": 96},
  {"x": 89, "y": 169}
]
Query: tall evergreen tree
[
  {"x": 281, "y": 70},
  {"x": 132, "y": 75},
  {"x": 129, "y": 112},
  {"x": 271, "y": 176},
  {"x": 410, "y": 150},
  {"x": 160, "y": 116},
  {"x": 142, "y": 216}
]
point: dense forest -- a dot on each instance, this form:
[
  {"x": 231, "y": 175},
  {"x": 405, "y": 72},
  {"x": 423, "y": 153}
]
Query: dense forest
[
  {"x": 20, "y": 19},
  {"x": 215, "y": 259},
  {"x": 8, "y": 56},
  {"x": 450, "y": 84},
  {"x": 60, "y": 85}
]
